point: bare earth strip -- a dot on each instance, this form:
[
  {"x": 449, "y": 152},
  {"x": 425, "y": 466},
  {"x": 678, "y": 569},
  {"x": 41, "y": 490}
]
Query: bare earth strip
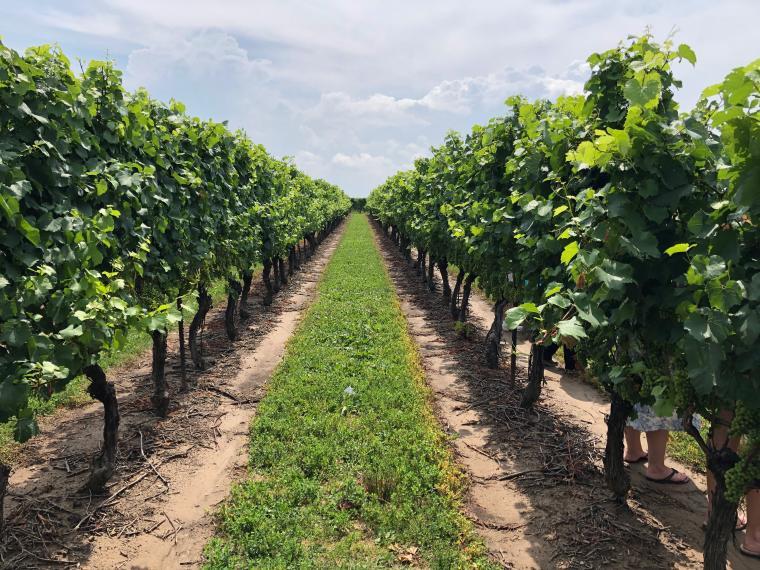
[
  {"x": 164, "y": 516},
  {"x": 537, "y": 495}
]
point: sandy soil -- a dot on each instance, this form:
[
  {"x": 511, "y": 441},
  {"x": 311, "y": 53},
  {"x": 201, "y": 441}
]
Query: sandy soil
[
  {"x": 173, "y": 471},
  {"x": 536, "y": 491}
]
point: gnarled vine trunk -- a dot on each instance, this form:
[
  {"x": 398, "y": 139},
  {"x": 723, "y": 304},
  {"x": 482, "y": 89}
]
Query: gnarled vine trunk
[
  {"x": 266, "y": 277},
  {"x": 182, "y": 349},
  {"x": 247, "y": 280},
  {"x": 513, "y": 359},
  {"x": 5, "y": 474},
  {"x": 204, "y": 304},
  {"x": 532, "y": 391},
  {"x": 431, "y": 274},
  {"x": 160, "y": 398},
  {"x": 102, "y": 465},
  {"x": 455, "y": 295},
  {"x": 276, "y": 279},
  {"x": 615, "y": 475},
  {"x": 418, "y": 266},
  {"x": 463, "y": 310},
  {"x": 493, "y": 338},
  {"x": 283, "y": 271},
  {"x": 443, "y": 269},
  {"x": 234, "y": 290},
  {"x": 722, "y": 521}
]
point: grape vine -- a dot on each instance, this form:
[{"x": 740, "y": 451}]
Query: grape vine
[
  {"x": 615, "y": 223},
  {"x": 114, "y": 208}
]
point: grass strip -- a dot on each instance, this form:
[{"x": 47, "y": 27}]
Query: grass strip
[{"x": 348, "y": 466}]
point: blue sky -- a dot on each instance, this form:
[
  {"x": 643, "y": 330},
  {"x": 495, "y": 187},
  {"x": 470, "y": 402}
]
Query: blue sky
[{"x": 356, "y": 90}]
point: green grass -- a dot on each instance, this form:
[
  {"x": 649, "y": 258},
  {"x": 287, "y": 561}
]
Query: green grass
[
  {"x": 137, "y": 342},
  {"x": 75, "y": 394},
  {"x": 685, "y": 450},
  {"x": 342, "y": 480}
]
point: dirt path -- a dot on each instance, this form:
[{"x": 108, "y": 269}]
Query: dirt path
[
  {"x": 165, "y": 516},
  {"x": 537, "y": 495}
]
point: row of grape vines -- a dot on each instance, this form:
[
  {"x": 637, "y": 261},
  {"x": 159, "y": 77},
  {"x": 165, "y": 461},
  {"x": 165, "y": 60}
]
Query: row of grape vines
[
  {"x": 616, "y": 224},
  {"x": 116, "y": 211}
]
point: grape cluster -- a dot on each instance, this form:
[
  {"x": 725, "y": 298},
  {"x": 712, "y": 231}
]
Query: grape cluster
[
  {"x": 746, "y": 422},
  {"x": 683, "y": 389},
  {"x": 745, "y": 475}
]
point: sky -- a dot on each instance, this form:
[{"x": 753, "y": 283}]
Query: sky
[{"x": 355, "y": 90}]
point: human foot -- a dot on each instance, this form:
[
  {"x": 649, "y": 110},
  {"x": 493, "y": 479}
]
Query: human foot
[
  {"x": 670, "y": 476},
  {"x": 751, "y": 545},
  {"x": 635, "y": 458}
]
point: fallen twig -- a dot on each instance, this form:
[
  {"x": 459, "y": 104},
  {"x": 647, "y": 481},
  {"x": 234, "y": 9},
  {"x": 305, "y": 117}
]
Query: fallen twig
[{"x": 142, "y": 452}]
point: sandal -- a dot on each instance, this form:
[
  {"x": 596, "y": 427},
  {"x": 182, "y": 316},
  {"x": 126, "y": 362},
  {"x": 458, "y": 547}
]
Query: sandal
[
  {"x": 669, "y": 479},
  {"x": 643, "y": 459},
  {"x": 749, "y": 553}
]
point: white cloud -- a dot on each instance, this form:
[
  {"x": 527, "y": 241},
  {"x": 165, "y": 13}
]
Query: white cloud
[
  {"x": 312, "y": 163},
  {"x": 100, "y": 24},
  {"x": 377, "y": 110},
  {"x": 361, "y": 160},
  {"x": 461, "y": 95},
  {"x": 458, "y": 96},
  {"x": 205, "y": 55}
]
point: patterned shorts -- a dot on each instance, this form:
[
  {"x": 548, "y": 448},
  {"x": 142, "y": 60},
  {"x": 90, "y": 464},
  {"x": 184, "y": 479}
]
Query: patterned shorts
[{"x": 648, "y": 420}]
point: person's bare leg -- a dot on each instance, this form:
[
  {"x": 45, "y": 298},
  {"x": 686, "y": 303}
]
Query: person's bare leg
[
  {"x": 633, "y": 449},
  {"x": 657, "y": 442},
  {"x": 752, "y": 536}
]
